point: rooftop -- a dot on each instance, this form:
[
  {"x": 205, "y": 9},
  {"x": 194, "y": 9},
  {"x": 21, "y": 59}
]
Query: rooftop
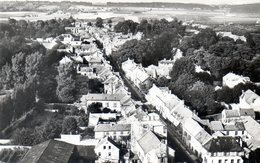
[
  {"x": 51, "y": 151},
  {"x": 223, "y": 144},
  {"x": 149, "y": 141},
  {"x": 112, "y": 127},
  {"x": 103, "y": 97}
]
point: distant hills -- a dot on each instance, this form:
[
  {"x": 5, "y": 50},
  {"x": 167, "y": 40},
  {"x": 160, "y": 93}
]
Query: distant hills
[{"x": 33, "y": 4}]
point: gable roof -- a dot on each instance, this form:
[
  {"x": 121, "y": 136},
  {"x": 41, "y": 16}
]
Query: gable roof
[
  {"x": 103, "y": 97},
  {"x": 238, "y": 126},
  {"x": 231, "y": 113},
  {"x": 216, "y": 126},
  {"x": 247, "y": 112},
  {"x": 107, "y": 139},
  {"x": 149, "y": 141},
  {"x": 223, "y": 144},
  {"x": 51, "y": 151},
  {"x": 112, "y": 127}
]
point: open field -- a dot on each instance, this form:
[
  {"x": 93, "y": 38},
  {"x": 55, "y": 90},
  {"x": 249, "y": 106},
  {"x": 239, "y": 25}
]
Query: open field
[{"x": 135, "y": 14}]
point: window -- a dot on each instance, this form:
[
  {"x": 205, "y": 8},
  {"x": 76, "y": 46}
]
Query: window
[
  {"x": 219, "y": 161},
  {"x": 122, "y": 132},
  {"x": 238, "y": 161},
  {"x": 104, "y": 147},
  {"x": 114, "y": 137},
  {"x": 232, "y": 160},
  {"x": 109, "y": 153},
  {"x": 99, "y": 153},
  {"x": 115, "y": 104},
  {"x": 226, "y": 160},
  {"x": 107, "y": 104},
  {"x": 109, "y": 147},
  {"x": 114, "y": 132},
  {"x": 235, "y": 132}
]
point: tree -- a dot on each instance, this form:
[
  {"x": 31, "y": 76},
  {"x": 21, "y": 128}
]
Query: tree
[
  {"x": 69, "y": 125},
  {"x": 23, "y": 136},
  {"x": 66, "y": 82},
  {"x": 18, "y": 68},
  {"x": 94, "y": 107},
  {"x": 99, "y": 22}
]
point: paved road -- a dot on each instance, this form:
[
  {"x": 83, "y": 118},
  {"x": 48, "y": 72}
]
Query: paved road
[{"x": 182, "y": 152}]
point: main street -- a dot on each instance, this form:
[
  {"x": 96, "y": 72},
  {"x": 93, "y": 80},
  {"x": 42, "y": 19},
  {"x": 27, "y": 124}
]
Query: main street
[{"x": 182, "y": 153}]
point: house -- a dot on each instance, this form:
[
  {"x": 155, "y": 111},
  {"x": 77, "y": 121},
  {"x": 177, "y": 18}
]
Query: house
[
  {"x": 223, "y": 150},
  {"x": 162, "y": 70},
  {"x": 250, "y": 100},
  {"x": 165, "y": 102},
  {"x": 51, "y": 151},
  {"x": 136, "y": 73},
  {"x": 252, "y": 128},
  {"x": 231, "y": 80},
  {"x": 235, "y": 130},
  {"x": 107, "y": 150},
  {"x": 115, "y": 131},
  {"x": 151, "y": 148},
  {"x": 111, "y": 101},
  {"x": 233, "y": 116},
  {"x": 194, "y": 136}
]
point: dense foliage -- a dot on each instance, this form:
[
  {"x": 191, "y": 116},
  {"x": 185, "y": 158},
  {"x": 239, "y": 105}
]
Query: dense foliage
[{"x": 160, "y": 37}]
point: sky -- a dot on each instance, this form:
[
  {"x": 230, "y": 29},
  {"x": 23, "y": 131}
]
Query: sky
[{"x": 180, "y": 1}]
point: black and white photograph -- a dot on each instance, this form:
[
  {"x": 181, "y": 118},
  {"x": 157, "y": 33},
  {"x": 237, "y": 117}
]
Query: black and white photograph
[{"x": 129, "y": 81}]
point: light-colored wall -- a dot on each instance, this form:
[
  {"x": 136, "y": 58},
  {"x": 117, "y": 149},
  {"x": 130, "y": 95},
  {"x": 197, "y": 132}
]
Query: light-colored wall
[
  {"x": 224, "y": 159},
  {"x": 114, "y": 152}
]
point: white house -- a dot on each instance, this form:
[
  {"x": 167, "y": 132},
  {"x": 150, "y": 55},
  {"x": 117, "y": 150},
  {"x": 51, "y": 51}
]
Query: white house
[
  {"x": 252, "y": 127},
  {"x": 164, "y": 102},
  {"x": 250, "y": 100},
  {"x": 233, "y": 116},
  {"x": 115, "y": 131},
  {"x": 223, "y": 150},
  {"x": 135, "y": 72},
  {"x": 150, "y": 148},
  {"x": 111, "y": 101},
  {"x": 231, "y": 80},
  {"x": 107, "y": 150}
]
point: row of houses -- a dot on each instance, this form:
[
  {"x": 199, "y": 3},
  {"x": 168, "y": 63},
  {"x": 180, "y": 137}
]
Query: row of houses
[{"x": 208, "y": 147}]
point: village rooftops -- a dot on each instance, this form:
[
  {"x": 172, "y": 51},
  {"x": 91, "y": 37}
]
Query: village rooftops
[
  {"x": 103, "y": 97},
  {"x": 223, "y": 144},
  {"x": 112, "y": 127}
]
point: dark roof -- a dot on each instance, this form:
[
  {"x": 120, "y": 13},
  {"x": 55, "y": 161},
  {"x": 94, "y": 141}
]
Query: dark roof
[
  {"x": 223, "y": 144},
  {"x": 87, "y": 152},
  {"x": 51, "y": 151}
]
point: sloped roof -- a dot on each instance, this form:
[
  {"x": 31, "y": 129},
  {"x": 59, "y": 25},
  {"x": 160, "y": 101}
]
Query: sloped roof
[
  {"x": 239, "y": 126},
  {"x": 216, "y": 126},
  {"x": 103, "y": 97},
  {"x": 112, "y": 127},
  {"x": 231, "y": 113},
  {"x": 223, "y": 144},
  {"x": 247, "y": 112},
  {"x": 105, "y": 139},
  {"x": 51, "y": 151},
  {"x": 149, "y": 141},
  {"x": 252, "y": 127}
]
